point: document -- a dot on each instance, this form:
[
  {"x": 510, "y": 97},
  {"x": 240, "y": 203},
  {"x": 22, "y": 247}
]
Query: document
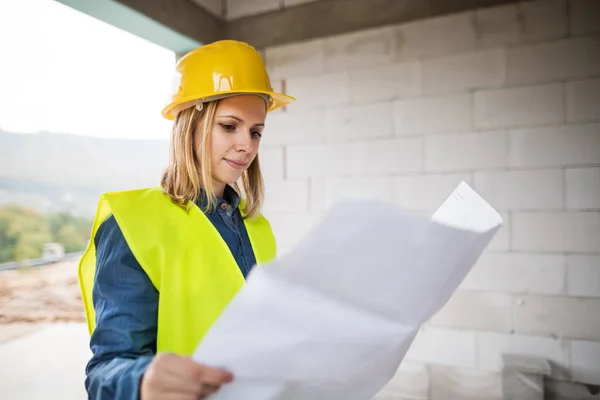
[{"x": 334, "y": 317}]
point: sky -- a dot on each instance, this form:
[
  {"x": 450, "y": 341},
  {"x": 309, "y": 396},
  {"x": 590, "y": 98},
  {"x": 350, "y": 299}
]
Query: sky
[{"x": 63, "y": 71}]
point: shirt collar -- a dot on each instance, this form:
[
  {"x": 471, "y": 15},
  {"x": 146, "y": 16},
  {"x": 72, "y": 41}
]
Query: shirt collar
[{"x": 230, "y": 198}]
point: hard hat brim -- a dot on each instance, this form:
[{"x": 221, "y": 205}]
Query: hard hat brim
[{"x": 278, "y": 100}]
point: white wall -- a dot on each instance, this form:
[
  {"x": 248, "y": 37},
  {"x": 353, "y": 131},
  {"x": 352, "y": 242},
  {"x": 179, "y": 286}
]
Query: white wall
[{"x": 507, "y": 99}]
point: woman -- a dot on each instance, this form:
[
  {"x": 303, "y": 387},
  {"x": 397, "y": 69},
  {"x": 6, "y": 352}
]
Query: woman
[{"x": 164, "y": 262}]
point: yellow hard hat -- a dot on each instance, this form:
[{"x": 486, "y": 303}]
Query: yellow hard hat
[{"x": 218, "y": 70}]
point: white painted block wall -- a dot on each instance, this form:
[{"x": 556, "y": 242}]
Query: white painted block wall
[{"x": 507, "y": 99}]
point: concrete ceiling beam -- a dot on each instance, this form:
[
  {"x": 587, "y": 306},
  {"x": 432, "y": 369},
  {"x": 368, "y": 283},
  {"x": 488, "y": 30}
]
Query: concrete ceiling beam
[
  {"x": 182, "y": 16},
  {"x": 333, "y": 17}
]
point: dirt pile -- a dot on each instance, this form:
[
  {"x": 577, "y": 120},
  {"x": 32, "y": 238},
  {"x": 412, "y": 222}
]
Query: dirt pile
[{"x": 39, "y": 295}]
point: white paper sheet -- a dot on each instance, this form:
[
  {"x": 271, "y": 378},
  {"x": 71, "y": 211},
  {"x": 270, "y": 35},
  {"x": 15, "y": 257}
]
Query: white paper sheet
[{"x": 334, "y": 318}]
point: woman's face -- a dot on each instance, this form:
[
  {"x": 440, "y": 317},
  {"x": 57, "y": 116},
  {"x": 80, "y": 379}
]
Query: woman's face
[{"x": 238, "y": 125}]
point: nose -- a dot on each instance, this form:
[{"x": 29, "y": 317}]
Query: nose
[{"x": 244, "y": 142}]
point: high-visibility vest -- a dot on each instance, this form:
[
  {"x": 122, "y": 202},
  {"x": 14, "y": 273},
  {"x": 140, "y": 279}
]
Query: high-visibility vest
[{"x": 184, "y": 256}]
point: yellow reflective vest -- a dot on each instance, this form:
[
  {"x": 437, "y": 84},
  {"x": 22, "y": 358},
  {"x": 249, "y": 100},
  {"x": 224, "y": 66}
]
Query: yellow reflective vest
[{"x": 184, "y": 256}]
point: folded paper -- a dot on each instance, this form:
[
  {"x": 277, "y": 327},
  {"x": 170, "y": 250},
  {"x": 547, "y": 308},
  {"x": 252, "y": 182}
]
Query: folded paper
[{"x": 334, "y": 318}]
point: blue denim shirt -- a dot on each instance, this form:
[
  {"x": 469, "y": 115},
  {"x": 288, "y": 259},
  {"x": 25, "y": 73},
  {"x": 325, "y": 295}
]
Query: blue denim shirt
[{"x": 126, "y": 303}]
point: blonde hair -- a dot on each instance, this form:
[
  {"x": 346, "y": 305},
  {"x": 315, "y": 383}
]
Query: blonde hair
[{"x": 189, "y": 167}]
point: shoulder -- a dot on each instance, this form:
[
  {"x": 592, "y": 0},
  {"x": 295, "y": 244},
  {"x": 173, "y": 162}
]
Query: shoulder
[
  {"x": 113, "y": 253},
  {"x": 109, "y": 233},
  {"x": 139, "y": 200},
  {"x": 137, "y": 193}
]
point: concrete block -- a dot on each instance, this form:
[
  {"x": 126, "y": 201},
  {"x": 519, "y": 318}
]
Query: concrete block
[
  {"x": 583, "y": 275},
  {"x": 426, "y": 192},
  {"x": 449, "y": 383},
  {"x": 443, "y": 346},
  {"x": 571, "y": 145},
  {"x": 290, "y": 228},
  {"x": 278, "y": 85},
  {"x": 466, "y": 151},
  {"x": 517, "y": 273},
  {"x": 315, "y": 161},
  {"x": 464, "y": 72},
  {"x": 243, "y": 8},
  {"x": 438, "y": 36},
  {"x": 520, "y": 386},
  {"x": 516, "y": 107},
  {"x": 547, "y": 62},
  {"x": 584, "y": 361},
  {"x": 583, "y": 188},
  {"x": 528, "y": 22},
  {"x": 523, "y": 377},
  {"x": 556, "y": 231},
  {"x": 294, "y": 127},
  {"x": 297, "y": 59},
  {"x": 584, "y": 17},
  {"x": 326, "y": 192},
  {"x": 372, "y": 121},
  {"x": 272, "y": 163},
  {"x": 583, "y": 100},
  {"x": 521, "y": 190},
  {"x": 570, "y": 317},
  {"x": 527, "y": 364},
  {"x": 433, "y": 114},
  {"x": 365, "y": 48},
  {"x": 319, "y": 91},
  {"x": 390, "y": 82},
  {"x": 476, "y": 310},
  {"x": 411, "y": 381},
  {"x": 387, "y": 156},
  {"x": 287, "y": 196},
  {"x": 492, "y": 346}
]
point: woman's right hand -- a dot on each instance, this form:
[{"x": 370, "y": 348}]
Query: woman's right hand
[{"x": 170, "y": 376}]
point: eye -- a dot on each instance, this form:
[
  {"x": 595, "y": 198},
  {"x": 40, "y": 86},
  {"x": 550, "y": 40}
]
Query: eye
[
  {"x": 228, "y": 127},
  {"x": 256, "y": 134}
]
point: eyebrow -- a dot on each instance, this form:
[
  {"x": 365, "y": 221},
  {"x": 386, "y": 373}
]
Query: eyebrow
[{"x": 238, "y": 119}]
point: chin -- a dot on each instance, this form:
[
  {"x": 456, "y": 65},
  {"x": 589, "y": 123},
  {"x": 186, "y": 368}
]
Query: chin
[{"x": 230, "y": 179}]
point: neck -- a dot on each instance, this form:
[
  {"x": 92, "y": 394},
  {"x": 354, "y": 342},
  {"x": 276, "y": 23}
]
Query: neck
[{"x": 219, "y": 189}]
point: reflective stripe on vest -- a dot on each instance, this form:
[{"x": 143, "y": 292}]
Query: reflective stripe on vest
[{"x": 184, "y": 256}]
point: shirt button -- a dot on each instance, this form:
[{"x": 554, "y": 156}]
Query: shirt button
[{"x": 223, "y": 206}]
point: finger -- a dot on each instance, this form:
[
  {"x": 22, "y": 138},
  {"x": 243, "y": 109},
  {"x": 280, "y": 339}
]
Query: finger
[
  {"x": 171, "y": 376},
  {"x": 208, "y": 389},
  {"x": 177, "y": 382},
  {"x": 186, "y": 369},
  {"x": 179, "y": 396},
  {"x": 213, "y": 376},
  {"x": 203, "y": 373}
]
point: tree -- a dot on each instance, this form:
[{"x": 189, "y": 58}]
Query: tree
[
  {"x": 23, "y": 232},
  {"x": 69, "y": 237},
  {"x": 81, "y": 225}
]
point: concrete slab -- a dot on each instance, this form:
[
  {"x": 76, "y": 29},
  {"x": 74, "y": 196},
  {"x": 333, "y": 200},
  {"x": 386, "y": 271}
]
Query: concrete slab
[{"x": 48, "y": 364}]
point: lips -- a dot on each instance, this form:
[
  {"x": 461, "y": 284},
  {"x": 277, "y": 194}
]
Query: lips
[{"x": 236, "y": 164}]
